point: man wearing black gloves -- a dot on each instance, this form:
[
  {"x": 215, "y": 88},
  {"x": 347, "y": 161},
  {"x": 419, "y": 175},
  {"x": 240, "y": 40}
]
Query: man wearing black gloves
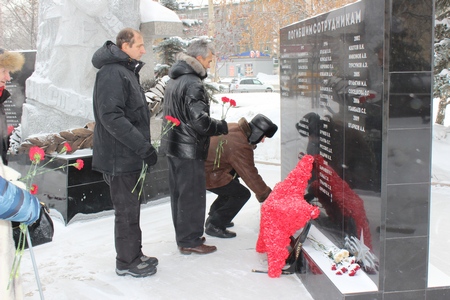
[
  {"x": 237, "y": 160},
  {"x": 187, "y": 145},
  {"x": 122, "y": 143}
]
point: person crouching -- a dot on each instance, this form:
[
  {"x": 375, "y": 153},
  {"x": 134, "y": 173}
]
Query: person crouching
[{"x": 236, "y": 161}]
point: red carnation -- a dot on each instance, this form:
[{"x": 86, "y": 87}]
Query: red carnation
[
  {"x": 66, "y": 148},
  {"x": 33, "y": 189},
  {"x": 173, "y": 120},
  {"x": 79, "y": 164},
  {"x": 36, "y": 154}
]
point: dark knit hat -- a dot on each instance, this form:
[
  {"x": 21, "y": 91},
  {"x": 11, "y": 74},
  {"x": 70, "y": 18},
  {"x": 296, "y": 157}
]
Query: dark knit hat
[
  {"x": 12, "y": 61},
  {"x": 261, "y": 126}
]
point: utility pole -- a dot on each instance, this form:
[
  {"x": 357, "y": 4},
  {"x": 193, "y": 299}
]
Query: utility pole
[{"x": 212, "y": 33}]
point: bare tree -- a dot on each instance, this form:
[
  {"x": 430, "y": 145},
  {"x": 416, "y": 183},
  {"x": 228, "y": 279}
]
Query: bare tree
[
  {"x": 257, "y": 23},
  {"x": 19, "y": 20},
  {"x": 441, "y": 58}
]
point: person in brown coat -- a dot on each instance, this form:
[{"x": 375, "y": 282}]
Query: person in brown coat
[{"x": 236, "y": 160}]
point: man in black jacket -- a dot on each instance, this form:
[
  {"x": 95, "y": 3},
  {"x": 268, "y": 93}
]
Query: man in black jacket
[
  {"x": 122, "y": 143},
  {"x": 187, "y": 145}
]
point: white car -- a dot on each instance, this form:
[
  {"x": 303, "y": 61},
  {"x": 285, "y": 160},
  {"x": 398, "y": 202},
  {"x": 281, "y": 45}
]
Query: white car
[
  {"x": 245, "y": 85},
  {"x": 218, "y": 86}
]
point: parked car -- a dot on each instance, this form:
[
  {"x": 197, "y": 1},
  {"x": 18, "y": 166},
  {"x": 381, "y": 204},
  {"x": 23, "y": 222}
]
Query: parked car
[
  {"x": 185, "y": 5},
  {"x": 218, "y": 86},
  {"x": 245, "y": 85},
  {"x": 226, "y": 82}
]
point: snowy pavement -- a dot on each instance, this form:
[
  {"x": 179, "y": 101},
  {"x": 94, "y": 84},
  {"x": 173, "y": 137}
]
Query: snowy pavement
[{"x": 79, "y": 263}]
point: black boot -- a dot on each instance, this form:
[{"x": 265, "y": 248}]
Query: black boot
[{"x": 217, "y": 231}]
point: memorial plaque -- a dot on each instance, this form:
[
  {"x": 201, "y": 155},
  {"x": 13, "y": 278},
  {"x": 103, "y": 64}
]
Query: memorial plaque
[
  {"x": 13, "y": 106},
  {"x": 356, "y": 93},
  {"x": 331, "y": 91}
]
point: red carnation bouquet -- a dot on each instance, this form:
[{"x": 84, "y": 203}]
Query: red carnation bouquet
[
  {"x": 227, "y": 103},
  {"x": 37, "y": 155},
  {"x": 171, "y": 123}
]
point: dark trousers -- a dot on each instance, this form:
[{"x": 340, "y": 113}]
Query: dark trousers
[
  {"x": 188, "y": 199},
  {"x": 127, "y": 212},
  {"x": 231, "y": 198}
]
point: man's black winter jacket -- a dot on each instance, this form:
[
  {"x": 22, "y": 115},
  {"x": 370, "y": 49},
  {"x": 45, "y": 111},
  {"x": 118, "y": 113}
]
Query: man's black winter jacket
[
  {"x": 187, "y": 100},
  {"x": 122, "y": 118}
]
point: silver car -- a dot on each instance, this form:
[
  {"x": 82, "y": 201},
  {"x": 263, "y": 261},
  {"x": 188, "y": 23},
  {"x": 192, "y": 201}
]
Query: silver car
[{"x": 245, "y": 85}]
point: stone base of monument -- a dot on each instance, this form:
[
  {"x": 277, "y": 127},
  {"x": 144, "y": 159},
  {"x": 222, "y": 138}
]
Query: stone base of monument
[{"x": 71, "y": 191}]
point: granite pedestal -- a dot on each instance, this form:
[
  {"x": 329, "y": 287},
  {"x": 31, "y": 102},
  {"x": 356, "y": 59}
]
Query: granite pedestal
[{"x": 71, "y": 191}]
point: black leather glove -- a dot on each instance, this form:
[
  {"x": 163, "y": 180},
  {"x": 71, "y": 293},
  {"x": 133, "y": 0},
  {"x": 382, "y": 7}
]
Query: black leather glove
[
  {"x": 151, "y": 159},
  {"x": 223, "y": 127}
]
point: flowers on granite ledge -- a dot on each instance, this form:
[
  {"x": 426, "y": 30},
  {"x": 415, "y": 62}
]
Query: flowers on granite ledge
[{"x": 349, "y": 260}]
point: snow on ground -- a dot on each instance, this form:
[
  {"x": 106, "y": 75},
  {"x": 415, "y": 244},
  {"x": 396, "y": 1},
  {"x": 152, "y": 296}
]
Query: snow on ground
[{"x": 79, "y": 263}]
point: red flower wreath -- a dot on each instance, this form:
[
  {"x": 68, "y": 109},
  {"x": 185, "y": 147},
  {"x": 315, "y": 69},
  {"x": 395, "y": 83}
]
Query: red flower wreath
[{"x": 283, "y": 213}]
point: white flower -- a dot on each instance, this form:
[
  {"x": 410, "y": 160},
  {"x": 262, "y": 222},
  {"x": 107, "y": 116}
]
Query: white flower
[{"x": 340, "y": 255}]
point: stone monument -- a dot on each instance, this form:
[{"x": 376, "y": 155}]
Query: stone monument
[
  {"x": 356, "y": 91},
  {"x": 59, "y": 92}
]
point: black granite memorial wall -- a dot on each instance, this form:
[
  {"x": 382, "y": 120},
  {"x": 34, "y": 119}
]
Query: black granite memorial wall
[{"x": 356, "y": 91}]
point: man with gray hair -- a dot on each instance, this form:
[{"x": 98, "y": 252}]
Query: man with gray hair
[{"x": 187, "y": 145}]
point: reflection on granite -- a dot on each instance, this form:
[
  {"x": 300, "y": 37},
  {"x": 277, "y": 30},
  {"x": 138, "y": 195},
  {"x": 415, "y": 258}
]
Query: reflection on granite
[
  {"x": 410, "y": 100},
  {"x": 438, "y": 294},
  {"x": 359, "y": 95},
  {"x": 314, "y": 279},
  {"x": 367, "y": 296},
  {"x": 411, "y": 36},
  {"x": 408, "y": 215},
  {"x": 406, "y": 264},
  {"x": 409, "y": 156},
  {"x": 335, "y": 77},
  {"x": 410, "y": 295}
]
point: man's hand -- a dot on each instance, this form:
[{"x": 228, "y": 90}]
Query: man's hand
[{"x": 151, "y": 159}]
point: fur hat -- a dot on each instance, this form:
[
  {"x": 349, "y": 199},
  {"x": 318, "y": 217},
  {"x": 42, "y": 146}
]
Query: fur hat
[
  {"x": 309, "y": 125},
  {"x": 261, "y": 126},
  {"x": 13, "y": 61}
]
